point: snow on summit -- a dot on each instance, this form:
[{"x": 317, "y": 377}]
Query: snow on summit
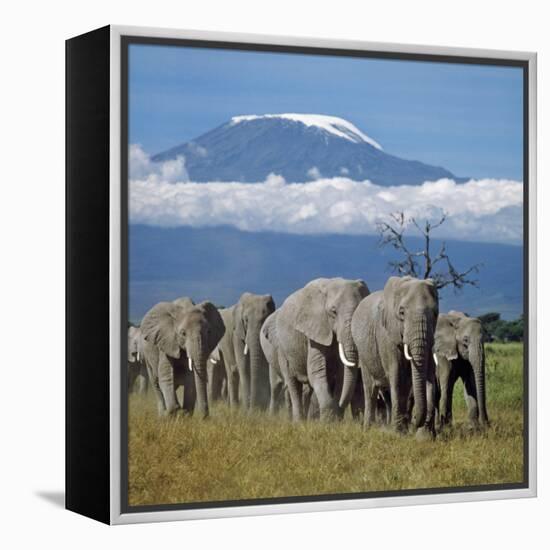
[{"x": 331, "y": 124}]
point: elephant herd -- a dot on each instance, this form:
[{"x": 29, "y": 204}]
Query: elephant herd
[{"x": 389, "y": 355}]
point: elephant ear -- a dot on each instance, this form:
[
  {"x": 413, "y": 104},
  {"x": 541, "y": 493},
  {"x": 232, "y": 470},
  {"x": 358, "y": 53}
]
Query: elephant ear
[
  {"x": 215, "y": 323},
  {"x": 445, "y": 337},
  {"x": 392, "y": 293},
  {"x": 310, "y": 316},
  {"x": 159, "y": 327},
  {"x": 269, "y": 327},
  {"x": 363, "y": 288}
]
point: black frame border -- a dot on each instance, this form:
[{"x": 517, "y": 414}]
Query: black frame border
[{"x": 125, "y": 42}]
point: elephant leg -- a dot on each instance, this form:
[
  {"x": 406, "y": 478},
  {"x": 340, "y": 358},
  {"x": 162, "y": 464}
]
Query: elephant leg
[
  {"x": 244, "y": 383},
  {"x": 209, "y": 382},
  {"x": 161, "y": 406},
  {"x": 223, "y": 392},
  {"x": 313, "y": 410},
  {"x": 276, "y": 389},
  {"x": 447, "y": 378},
  {"x": 232, "y": 388},
  {"x": 295, "y": 392},
  {"x": 370, "y": 392},
  {"x": 317, "y": 375},
  {"x": 232, "y": 382},
  {"x": 142, "y": 384},
  {"x": 470, "y": 396},
  {"x": 153, "y": 379},
  {"x": 386, "y": 397},
  {"x": 400, "y": 389},
  {"x": 356, "y": 409},
  {"x": 189, "y": 393},
  {"x": 288, "y": 403},
  {"x": 167, "y": 386},
  {"x": 430, "y": 401},
  {"x": 307, "y": 395},
  {"x": 132, "y": 375}
]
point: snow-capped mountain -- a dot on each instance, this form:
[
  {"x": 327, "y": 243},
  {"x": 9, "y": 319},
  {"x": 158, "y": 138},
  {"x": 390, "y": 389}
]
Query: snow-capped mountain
[{"x": 299, "y": 147}]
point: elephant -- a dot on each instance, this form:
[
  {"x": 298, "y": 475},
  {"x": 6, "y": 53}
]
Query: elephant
[
  {"x": 314, "y": 331},
  {"x": 223, "y": 357},
  {"x": 393, "y": 330},
  {"x": 458, "y": 352},
  {"x": 178, "y": 337},
  {"x": 249, "y": 315},
  {"x": 137, "y": 370},
  {"x": 279, "y": 396}
]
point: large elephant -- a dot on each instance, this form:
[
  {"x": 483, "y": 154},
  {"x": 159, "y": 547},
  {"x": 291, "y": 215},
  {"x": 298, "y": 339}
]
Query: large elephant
[
  {"x": 459, "y": 353},
  {"x": 249, "y": 315},
  {"x": 178, "y": 339},
  {"x": 314, "y": 330},
  {"x": 137, "y": 370},
  {"x": 393, "y": 330}
]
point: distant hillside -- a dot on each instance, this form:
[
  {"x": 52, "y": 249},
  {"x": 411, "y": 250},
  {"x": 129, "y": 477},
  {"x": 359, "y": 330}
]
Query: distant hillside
[
  {"x": 298, "y": 147},
  {"x": 220, "y": 263}
]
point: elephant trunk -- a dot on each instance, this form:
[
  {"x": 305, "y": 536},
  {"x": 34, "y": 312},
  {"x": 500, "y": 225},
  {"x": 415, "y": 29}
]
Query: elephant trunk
[
  {"x": 198, "y": 357},
  {"x": 418, "y": 339},
  {"x": 258, "y": 369},
  {"x": 477, "y": 359},
  {"x": 349, "y": 357}
]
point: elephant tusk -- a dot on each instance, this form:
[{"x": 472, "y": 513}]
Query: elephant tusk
[
  {"x": 138, "y": 355},
  {"x": 436, "y": 360},
  {"x": 343, "y": 356},
  {"x": 246, "y": 349},
  {"x": 407, "y": 356},
  {"x": 213, "y": 361},
  {"x": 190, "y": 363}
]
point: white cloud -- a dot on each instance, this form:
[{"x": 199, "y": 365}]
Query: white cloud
[
  {"x": 141, "y": 167},
  {"x": 478, "y": 210},
  {"x": 314, "y": 173}
]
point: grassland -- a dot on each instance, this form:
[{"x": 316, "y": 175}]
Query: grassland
[{"x": 232, "y": 456}]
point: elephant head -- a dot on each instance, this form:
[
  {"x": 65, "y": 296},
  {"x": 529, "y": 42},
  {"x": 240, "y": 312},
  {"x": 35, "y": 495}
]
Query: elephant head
[
  {"x": 134, "y": 344},
  {"x": 248, "y": 317},
  {"x": 323, "y": 311},
  {"x": 458, "y": 335},
  {"x": 181, "y": 329},
  {"x": 409, "y": 312}
]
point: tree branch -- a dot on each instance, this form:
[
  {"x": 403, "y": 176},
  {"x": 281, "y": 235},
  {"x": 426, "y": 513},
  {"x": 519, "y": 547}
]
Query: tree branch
[{"x": 392, "y": 233}]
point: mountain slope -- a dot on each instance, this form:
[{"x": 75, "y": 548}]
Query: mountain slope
[
  {"x": 220, "y": 263},
  {"x": 299, "y": 148}
]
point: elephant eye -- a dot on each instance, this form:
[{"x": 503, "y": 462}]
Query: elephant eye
[
  {"x": 332, "y": 311},
  {"x": 401, "y": 312},
  {"x": 466, "y": 340}
]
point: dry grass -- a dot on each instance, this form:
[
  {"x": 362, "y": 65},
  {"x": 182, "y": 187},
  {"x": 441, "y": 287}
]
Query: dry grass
[{"x": 232, "y": 456}]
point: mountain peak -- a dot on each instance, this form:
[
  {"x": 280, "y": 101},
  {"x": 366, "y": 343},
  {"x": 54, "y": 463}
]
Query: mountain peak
[
  {"x": 331, "y": 124},
  {"x": 298, "y": 147}
]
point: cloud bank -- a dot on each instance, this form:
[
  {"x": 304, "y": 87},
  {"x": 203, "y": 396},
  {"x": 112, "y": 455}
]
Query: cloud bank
[{"x": 479, "y": 210}]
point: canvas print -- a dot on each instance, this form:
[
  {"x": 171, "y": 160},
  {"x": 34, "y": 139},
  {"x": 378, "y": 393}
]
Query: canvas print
[{"x": 325, "y": 275}]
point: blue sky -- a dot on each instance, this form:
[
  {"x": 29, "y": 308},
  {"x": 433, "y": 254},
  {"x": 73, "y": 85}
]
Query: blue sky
[{"x": 466, "y": 118}]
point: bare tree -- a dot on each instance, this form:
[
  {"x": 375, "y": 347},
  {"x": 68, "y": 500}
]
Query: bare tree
[{"x": 422, "y": 263}]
